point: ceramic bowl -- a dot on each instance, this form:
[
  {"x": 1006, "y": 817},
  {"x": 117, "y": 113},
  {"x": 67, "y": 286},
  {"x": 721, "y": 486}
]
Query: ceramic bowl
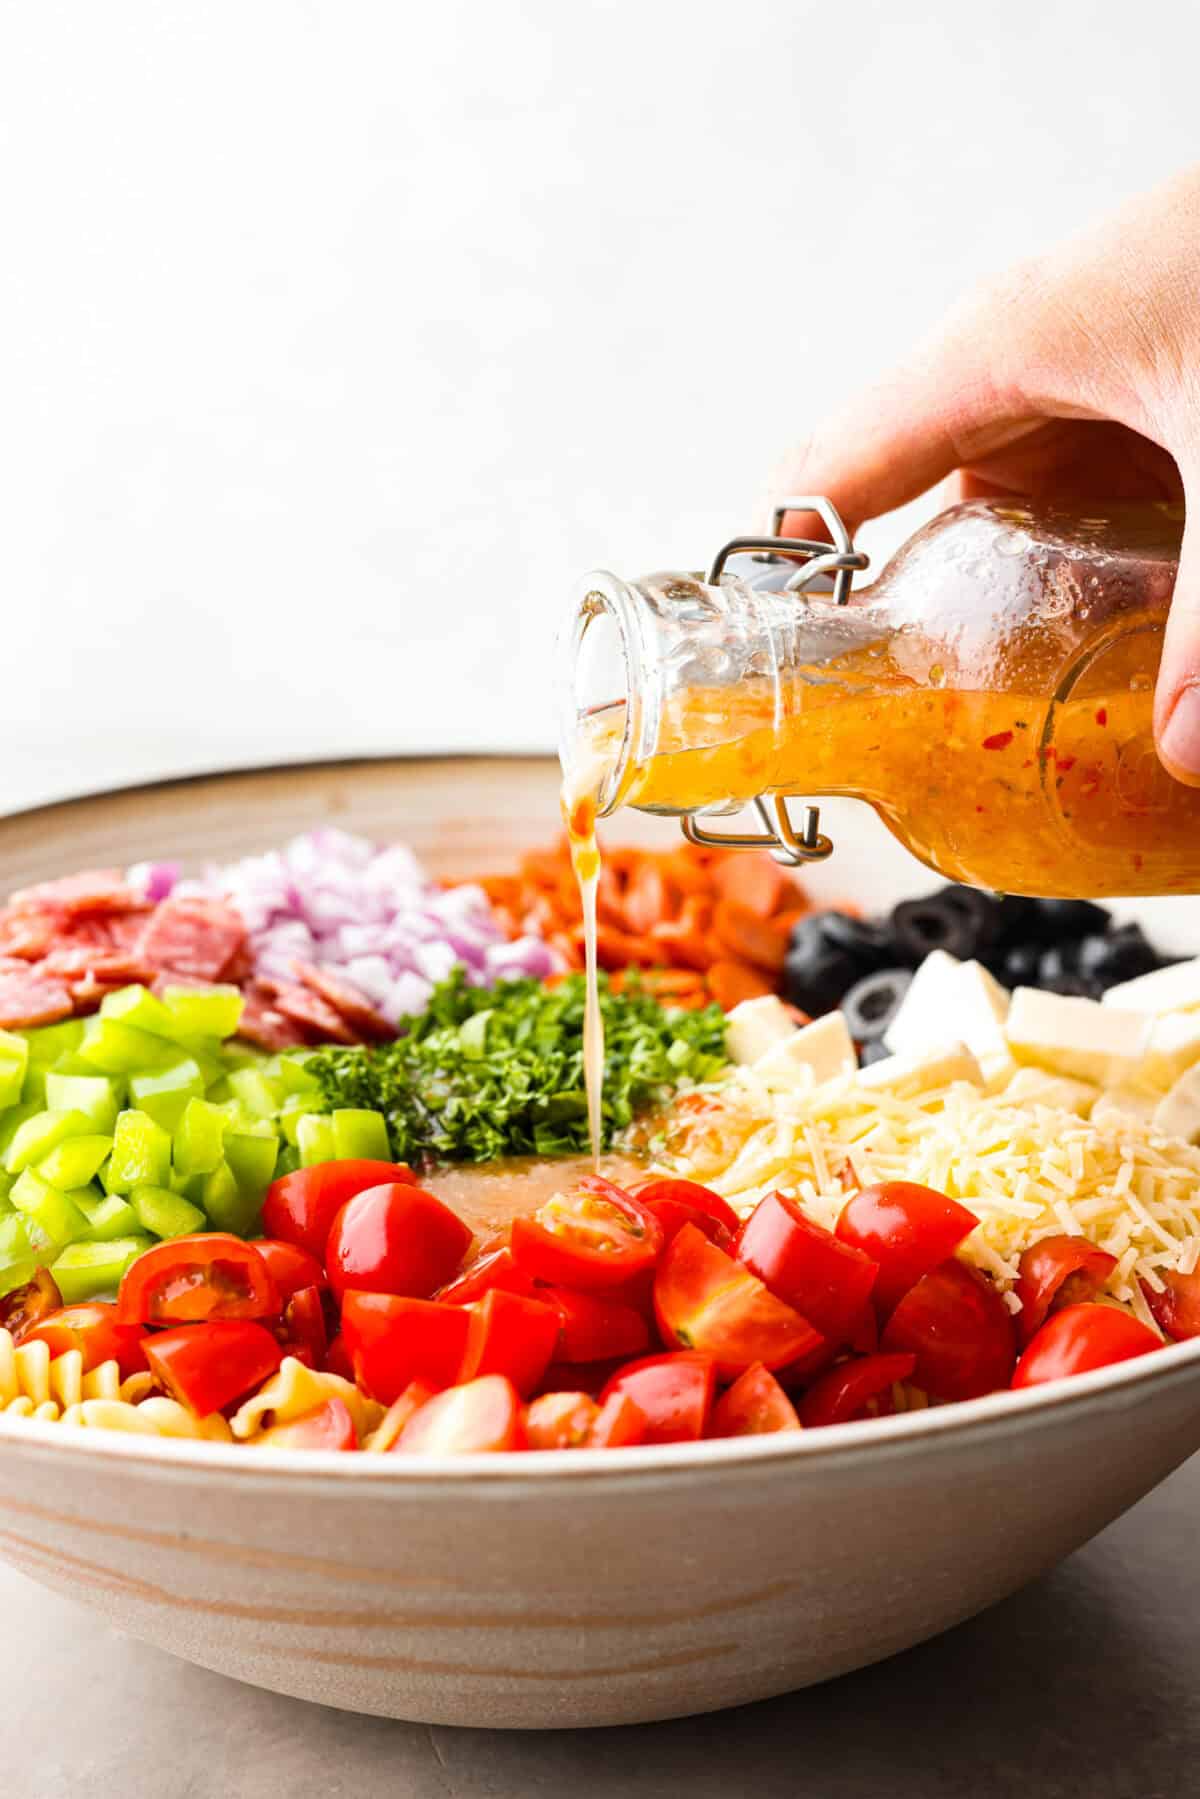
[{"x": 604, "y": 1587}]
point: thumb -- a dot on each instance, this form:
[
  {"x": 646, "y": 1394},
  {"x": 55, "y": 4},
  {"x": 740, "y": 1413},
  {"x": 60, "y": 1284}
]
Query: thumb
[{"x": 1177, "y": 699}]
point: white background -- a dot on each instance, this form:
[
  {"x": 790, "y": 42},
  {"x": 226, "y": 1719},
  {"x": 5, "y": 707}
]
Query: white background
[{"x": 337, "y": 339}]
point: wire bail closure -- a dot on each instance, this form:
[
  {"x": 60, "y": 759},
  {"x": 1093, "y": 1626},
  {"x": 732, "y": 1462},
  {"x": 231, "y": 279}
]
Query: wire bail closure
[{"x": 818, "y": 561}]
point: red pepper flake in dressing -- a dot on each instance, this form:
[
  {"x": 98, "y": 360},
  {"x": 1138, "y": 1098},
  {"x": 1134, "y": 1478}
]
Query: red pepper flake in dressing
[
  {"x": 1102, "y": 716},
  {"x": 999, "y": 740},
  {"x": 1065, "y": 763}
]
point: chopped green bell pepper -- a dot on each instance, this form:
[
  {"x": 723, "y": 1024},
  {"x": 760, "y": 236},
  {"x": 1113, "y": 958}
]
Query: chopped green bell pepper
[
  {"x": 53, "y": 1210},
  {"x": 314, "y": 1139},
  {"x": 116, "y": 1048},
  {"x": 138, "y": 1007},
  {"x": 44, "y": 1131},
  {"x": 88, "y": 1270},
  {"x": 166, "y": 1214},
  {"x": 163, "y": 1094},
  {"x": 203, "y": 1011},
  {"x": 199, "y": 1141},
  {"x": 14, "y": 1060},
  {"x": 95, "y": 1095},
  {"x": 141, "y": 1153},
  {"x": 75, "y": 1161},
  {"x": 107, "y": 1214},
  {"x": 358, "y": 1132}
]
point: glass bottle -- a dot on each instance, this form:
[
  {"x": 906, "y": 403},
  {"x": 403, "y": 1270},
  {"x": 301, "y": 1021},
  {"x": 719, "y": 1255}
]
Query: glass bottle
[{"x": 989, "y": 695}]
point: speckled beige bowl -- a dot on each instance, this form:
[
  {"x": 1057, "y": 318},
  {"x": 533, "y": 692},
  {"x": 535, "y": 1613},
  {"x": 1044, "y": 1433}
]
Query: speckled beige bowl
[{"x": 593, "y": 1588}]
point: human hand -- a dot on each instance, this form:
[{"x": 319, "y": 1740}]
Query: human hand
[{"x": 1075, "y": 376}]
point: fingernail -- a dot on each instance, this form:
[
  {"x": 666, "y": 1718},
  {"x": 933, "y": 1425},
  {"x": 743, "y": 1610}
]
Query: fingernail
[{"x": 1180, "y": 739}]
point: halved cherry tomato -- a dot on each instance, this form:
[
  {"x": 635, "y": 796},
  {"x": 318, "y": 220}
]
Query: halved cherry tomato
[
  {"x": 593, "y": 1237},
  {"x": 755, "y": 1406},
  {"x": 674, "y": 1393},
  {"x": 305, "y": 1334},
  {"x": 337, "y": 1358},
  {"x": 292, "y": 1268},
  {"x": 509, "y": 1334},
  {"x": 1079, "y": 1338},
  {"x": 399, "y": 1413},
  {"x": 493, "y": 1268},
  {"x": 560, "y": 1420},
  {"x": 208, "y": 1366},
  {"x": 676, "y": 1203},
  {"x": 1176, "y": 1310},
  {"x": 705, "y": 1300},
  {"x": 328, "y": 1426},
  {"x": 392, "y": 1340},
  {"x": 851, "y": 1389},
  {"x": 1055, "y": 1272},
  {"x": 93, "y": 1330},
  {"x": 619, "y": 1423},
  {"x": 827, "y": 1281},
  {"x": 594, "y": 1327},
  {"x": 24, "y": 1306},
  {"x": 483, "y": 1416},
  {"x": 300, "y": 1207},
  {"x": 395, "y": 1238},
  {"x": 960, "y": 1330},
  {"x": 191, "y": 1279},
  {"x": 906, "y": 1229}
]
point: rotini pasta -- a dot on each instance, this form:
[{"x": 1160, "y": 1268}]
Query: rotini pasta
[
  {"x": 34, "y": 1386},
  {"x": 153, "y": 1417},
  {"x": 295, "y": 1390}
]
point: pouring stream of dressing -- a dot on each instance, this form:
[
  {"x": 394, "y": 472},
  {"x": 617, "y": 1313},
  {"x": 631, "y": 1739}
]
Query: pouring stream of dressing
[{"x": 582, "y": 782}]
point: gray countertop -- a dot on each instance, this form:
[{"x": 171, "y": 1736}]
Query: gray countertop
[{"x": 1084, "y": 1687}]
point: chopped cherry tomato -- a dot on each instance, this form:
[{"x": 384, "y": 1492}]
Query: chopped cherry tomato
[
  {"x": 1176, "y": 1310},
  {"x": 560, "y": 1421},
  {"x": 755, "y": 1406},
  {"x": 328, "y": 1426},
  {"x": 827, "y": 1281},
  {"x": 495, "y": 1268},
  {"x": 594, "y": 1326},
  {"x": 483, "y": 1416},
  {"x": 29, "y": 1304},
  {"x": 208, "y": 1366},
  {"x": 705, "y": 1300},
  {"x": 395, "y": 1238},
  {"x": 304, "y": 1331},
  {"x": 676, "y": 1203},
  {"x": 509, "y": 1334},
  {"x": 399, "y": 1413},
  {"x": 593, "y": 1237},
  {"x": 337, "y": 1358},
  {"x": 292, "y": 1268},
  {"x": 94, "y": 1331},
  {"x": 1079, "y": 1338},
  {"x": 619, "y": 1423},
  {"x": 960, "y": 1330},
  {"x": 851, "y": 1389},
  {"x": 673, "y": 1392},
  {"x": 392, "y": 1340},
  {"x": 191, "y": 1279},
  {"x": 301, "y": 1207},
  {"x": 907, "y": 1230},
  {"x": 1055, "y": 1272}
]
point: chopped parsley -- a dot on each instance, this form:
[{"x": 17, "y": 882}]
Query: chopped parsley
[{"x": 488, "y": 1072}]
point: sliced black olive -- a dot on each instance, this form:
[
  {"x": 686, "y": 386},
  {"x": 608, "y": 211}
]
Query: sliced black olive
[
  {"x": 815, "y": 972},
  {"x": 866, "y": 939},
  {"x": 871, "y": 1004},
  {"x": 1019, "y": 965},
  {"x": 982, "y": 911},
  {"x": 1118, "y": 955},
  {"x": 1059, "y": 960},
  {"x": 920, "y": 926},
  {"x": 1071, "y": 985},
  {"x": 1056, "y": 920},
  {"x": 1016, "y": 916}
]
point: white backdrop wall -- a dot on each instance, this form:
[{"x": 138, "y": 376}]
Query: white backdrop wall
[{"x": 338, "y": 339}]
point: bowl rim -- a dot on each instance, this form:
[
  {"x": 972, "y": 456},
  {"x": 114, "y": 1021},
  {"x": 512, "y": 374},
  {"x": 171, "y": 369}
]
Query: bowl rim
[{"x": 999, "y": 1413}]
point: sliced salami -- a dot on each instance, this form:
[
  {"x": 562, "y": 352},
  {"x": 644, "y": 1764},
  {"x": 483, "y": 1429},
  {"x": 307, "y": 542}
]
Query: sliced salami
[
  {"x": 28, "y": 998},
  {"x": 28, "y": 934},
  {"x": 263, "y": 1025},
  {"x": 75, "y": 961},
  {"x": 316, "y": 1017},
  {"x": 95, "y": 890},
  {"x": 347, "y": 999},
  {"x": 199, "y": 937}
]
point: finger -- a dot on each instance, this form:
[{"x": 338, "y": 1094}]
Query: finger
[{"x": 1177, "y": 699}]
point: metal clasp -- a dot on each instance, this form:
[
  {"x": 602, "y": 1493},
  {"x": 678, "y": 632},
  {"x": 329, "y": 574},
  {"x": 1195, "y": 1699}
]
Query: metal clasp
[{"x": 817, "y": 561}]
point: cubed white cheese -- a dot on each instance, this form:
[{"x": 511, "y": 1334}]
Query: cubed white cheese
[
  {"x": 1174, "y": 1046},
  {"x": 1117, "y": 1105},
  {"x": 949, "y": 995},
  {"x": 1178, "y": 1115},
  {"x": 755, "y": 1026},
  {"x": 813, "y": 1054},
  {"x": 907, "y": 1076},
  {"x": 1035, "y": 1087},
  {"x": 1172, "y": 989},
  {"x": 1075, "y": 1036}
]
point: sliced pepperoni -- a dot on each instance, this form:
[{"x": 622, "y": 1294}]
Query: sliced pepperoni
[
  {"x": 28, "y": 934},
  {"x": 75, "y": 961},
  {"x": 263, "y": 1025},
  {"x": 95, "y": 890},
  {"x": 89, "y": 990},
  {"x": 199, "y": 937},
  {"x": 28, "y": 998},
  {"x": 316, "y": 1017},
  {"x": 347, "y": 999}
]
